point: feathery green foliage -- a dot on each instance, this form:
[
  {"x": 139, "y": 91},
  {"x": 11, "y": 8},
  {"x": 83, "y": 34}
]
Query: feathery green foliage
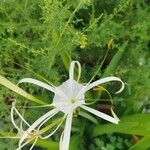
[{"x": 108, "y": 37}]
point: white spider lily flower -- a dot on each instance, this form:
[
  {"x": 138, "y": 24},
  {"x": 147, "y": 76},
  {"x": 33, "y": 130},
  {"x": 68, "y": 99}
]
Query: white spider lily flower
[
  {"x": 68, "y": 97},
  {"x": 31, "y": 137}
]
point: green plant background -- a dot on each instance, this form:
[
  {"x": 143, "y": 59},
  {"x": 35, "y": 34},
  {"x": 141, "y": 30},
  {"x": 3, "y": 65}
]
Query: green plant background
[{"x": 44, "y": 36}]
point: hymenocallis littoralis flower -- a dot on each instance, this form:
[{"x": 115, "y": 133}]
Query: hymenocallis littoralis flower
[
  {"x": 32, "y": 137},
  {"x": 69, "y": 96}
]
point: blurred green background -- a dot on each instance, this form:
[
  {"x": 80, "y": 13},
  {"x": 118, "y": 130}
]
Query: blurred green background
[{"x": 44, "y": 36}]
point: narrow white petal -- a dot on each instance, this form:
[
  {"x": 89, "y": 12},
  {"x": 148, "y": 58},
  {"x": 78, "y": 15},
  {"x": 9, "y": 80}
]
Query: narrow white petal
[
  {"x": 65, "y": 138},
  {"x": 114, "y": 115},
  {"x": 71, "y": 73},
  {"x": 71, "y": 70},
  {"x": 49, "y": 135},
  {"x": 100, "y": 114},
  {"x": 37, "y": 82},
  {"x": 61, "y": 140},
  {"x": 38, "y": 122},
  {"x": 21, "y": 117},
  {"x": 13, "y": 109},
  {"x": 33, "y": 144},
  {"x": 104, "y": 80},
  {"x": 24, "y": 144},
  {"x": 79, "y": 71},
  {"x": 43, "y": 85},
  {"x": 12, "y": 119}
]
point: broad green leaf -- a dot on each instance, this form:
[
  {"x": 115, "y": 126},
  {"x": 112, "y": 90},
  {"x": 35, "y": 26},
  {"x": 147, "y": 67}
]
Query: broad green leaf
[
  {"x": 137, "y": 124},
  {"x": 143, "y": 144},
  {"x": 8, "y": 84}
]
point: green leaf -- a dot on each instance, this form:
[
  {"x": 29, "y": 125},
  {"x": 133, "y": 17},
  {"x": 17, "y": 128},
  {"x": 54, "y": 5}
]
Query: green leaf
[
  {"x": 115, "y": 61},
  {"x": 137, "y": 124},
  {"x": 65, "y": 59},
  {"x": 18, "y": 90},
  {"x": 143, "y": 144},
  {"x": 88, "y": 116},
  {"x": 49, "y": 144},
  {"x": 75, "y": 141}
]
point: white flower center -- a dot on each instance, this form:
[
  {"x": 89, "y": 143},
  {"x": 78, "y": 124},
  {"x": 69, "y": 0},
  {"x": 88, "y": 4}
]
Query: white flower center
[
  {"x": 71, "y": 91},
  {"x": 72, "y": 101}
]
